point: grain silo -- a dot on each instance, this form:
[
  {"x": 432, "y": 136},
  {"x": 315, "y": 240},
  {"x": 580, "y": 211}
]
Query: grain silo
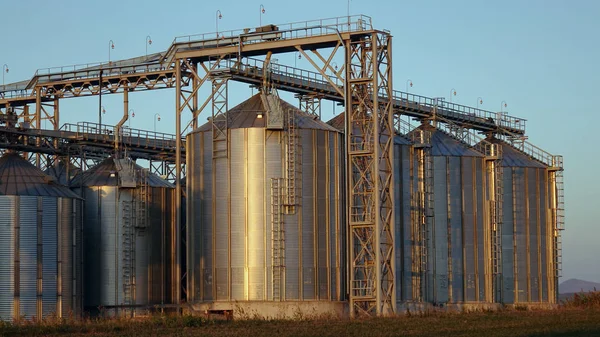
[
  {"x": 527, "y": 264},
  {"x": 455, "y": 244},
  {"x": 129, "y": 233},
  {"x": 40, "y": 257},
  {"x": 265, "y": 216}
]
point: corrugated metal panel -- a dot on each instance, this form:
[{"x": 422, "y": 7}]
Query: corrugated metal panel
[
  {"x": 49, "y": 255},
  {"x": 321, "y": 221},
  {"x": 78, "y": 258},
  {"x": 238, "y": 211},
  {"x": 91, "y": 248},
  {"x": 507, "y": 266},
  {"x": 28, "y": 256},
  {"x": 7, "y": 249},
  {"x": 67, "y": 258},
  {"x": 206, "y": 225},
  {"x": 332, "y": 153},
  {"x": 307, "y": 252},
  {"x": 39, "y": 220},
  {"x": 19, "y": 177},
  {"x": 257, "y": 201}
]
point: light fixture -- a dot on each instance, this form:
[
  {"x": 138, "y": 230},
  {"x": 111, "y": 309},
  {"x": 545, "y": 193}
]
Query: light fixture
[
  {"x": 259, "y": 115},
  {"x": 148, "y": 42},
  {"x": 113, "y": 174}
]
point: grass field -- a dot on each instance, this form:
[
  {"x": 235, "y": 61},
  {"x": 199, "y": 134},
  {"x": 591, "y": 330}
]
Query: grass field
[{"x": 579, "y": 317}]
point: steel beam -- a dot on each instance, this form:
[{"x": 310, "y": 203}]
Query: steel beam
[{"x": 311, "y": 104}]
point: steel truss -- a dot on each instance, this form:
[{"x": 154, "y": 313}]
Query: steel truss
[
  {"x": 369, "y": 139},
  {"x": 311, "y": 104}
]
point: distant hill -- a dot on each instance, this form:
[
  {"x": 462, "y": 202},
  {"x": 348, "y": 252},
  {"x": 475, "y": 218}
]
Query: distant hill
[{"x": 575, "y": 286}]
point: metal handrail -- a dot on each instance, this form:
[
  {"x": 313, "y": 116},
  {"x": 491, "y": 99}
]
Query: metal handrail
[
  {"x": 250, "y": 66},
  {"x": 129, "y": 136},
  {"x": 342, "y": 24},
  {"x": 284, "y": 31},
  {"x": 93, "y": 72},
  {"x": 474, "y": 115},
  {"x": 545, "y": 157}
]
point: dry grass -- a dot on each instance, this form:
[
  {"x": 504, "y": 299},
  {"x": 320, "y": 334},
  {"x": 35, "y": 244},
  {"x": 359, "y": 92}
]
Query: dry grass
[
  {"x": 583, "y": 300},
  {"x": 579, "y": 316}
]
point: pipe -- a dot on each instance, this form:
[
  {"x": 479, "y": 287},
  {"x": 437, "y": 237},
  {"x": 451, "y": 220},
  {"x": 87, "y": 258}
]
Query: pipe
[{"x": 122, "y": 121}]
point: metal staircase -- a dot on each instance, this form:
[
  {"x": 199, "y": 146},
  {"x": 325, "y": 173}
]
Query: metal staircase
[{"x": 277, "y": 241}]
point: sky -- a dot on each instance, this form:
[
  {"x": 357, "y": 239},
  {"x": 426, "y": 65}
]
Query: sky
[{"x": 539, "y": 56}]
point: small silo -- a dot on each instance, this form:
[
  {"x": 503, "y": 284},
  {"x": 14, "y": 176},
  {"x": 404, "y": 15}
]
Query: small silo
[
  {"x": 527, "y": 245},
  {"x": 40, "y": 257},
  {"x": 265, "y": 216},
  {"x": 129, "y": 232},
  {"x": 455, "y": 234}
]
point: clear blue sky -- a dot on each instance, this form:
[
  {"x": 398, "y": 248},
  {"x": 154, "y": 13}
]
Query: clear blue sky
[{"x": 540, "y": 56}]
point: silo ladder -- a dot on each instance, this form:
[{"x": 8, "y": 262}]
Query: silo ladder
[
  {"x": 128, "y": 255},
  {"x": 142, "y": 204},
  {"x": 277, "y": 240},
  {"x": 293, "y": 164}
]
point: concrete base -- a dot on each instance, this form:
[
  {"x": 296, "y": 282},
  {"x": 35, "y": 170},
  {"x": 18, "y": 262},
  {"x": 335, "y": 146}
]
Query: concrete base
[
  {"x": 415, "y": 307},
  {"x": 327, "y": 309},
  {"x": 273, "y": 310}
]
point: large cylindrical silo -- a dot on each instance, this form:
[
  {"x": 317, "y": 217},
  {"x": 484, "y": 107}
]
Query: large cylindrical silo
[
  {"x": 455, "y": 234},
  {"x": 527, "y": 264},
  {"x": 265, "y": 216},
  {"x": 40, "y": 256},
  {"x": 129, "y": 232}
]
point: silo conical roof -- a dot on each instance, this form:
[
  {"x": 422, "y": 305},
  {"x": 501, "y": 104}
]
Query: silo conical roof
[
  {"x": 20, "y": 177},
  {"x": 512, "y": 157},
  {"x": 245, "y": 115},
  {"x": 443, "y": 144},
  {"x": 107, "y": 173},
  {"x": 338, "y": 122}
]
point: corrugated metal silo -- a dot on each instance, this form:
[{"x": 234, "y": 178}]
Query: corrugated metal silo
[
  {"x": 129, "y": 232},
  {"x": 40, "y": 256},
  {"x": 265, "y": 216},
  {"x": 455, "y": 240},
  {"x": 527, "y": 244}
]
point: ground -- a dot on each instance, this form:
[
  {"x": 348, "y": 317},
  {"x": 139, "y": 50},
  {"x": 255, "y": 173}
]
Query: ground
[{"x": 560, "y": 322}]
